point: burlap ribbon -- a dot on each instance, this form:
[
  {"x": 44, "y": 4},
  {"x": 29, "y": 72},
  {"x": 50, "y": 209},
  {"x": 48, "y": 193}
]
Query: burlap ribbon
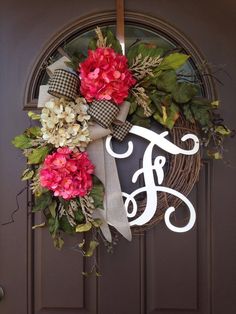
[{"x": 113, "y": 122}]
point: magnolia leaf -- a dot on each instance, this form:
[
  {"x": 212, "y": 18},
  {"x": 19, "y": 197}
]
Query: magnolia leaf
[
  {"x": 166, "y": 81},
  {"x": 144, "y": 122},
  {"x": 223, "y": 130},
  {"x": 199, "y": 101},
  {"x": 27, "y": 174},
  {"x": 84, "y": 227},
  {"x": 201, "y": 114},
  {"x": 133, "y": 107},
  {"x": 184, "y": 92},
  {"x": 168, "y": 116},
  {"x": 172, "y": 116},
  {"x": 156, "y": 100},
  {"x": 22, "y": 141},
  {"x": 97, "y": 192},
  {"x": 38, "y": 155},
  {"x": 52, "y": 208},
  {"x": 92, "y": 246},
  {"x": 173, "y": 61},
  {"x": 39, "y": 226},
  {"x": 53, "y": 226},
  {"x": 42, "y": 201},
  {"x": 33, "y": 115},
  {"x": 188, "y": 113},
  {"x": 145, "y": 50},
  {"x": 34, "y": 132}
]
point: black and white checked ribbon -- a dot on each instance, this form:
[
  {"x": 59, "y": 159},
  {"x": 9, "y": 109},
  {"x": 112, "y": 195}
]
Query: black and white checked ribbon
[
  {"x": 64, "y": 84},
  {"x": 105, "y": 113}
]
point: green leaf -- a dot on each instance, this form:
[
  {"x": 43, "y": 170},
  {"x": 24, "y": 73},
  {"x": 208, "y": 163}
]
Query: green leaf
[
  {"x": 22, "y": 142},
  {"x": 38, "y": 155},
  {"x": 173, "y": 61},
  {"x": 145, "y": 50},
  {"x": 52, "y": 208},
  {"x": 42, "y": 201},
  {"x": 166, "y": 81},
  {"x": 92, "y": 246},
  {"x": 133, "y": 107},
  {"x": 169, "y": 115},
  {"x": 34, "y": 132},
  {"x": 223, "y": 130},
  {"x": 65, "y": 225},
  {"x": 201, "y": 114},
  {"x": 201, "y": 102},
  {"x": 92, "y": 45},
  {"x": 97, "y": 192},
  {"x": 27, "y": 174},
  {"x": 112, "y": 41},
  {"x": 156, "y": 100},
  {"x": 140, "y": 112},
  {"x": 184, "y": 92},
  {"x": 188, "y": 113},
  {"x": 144, "y": 122},
  {"x": 79, "y": 217},
  {"x": 33, "y": 115},
  {"x": 54, "y": 225},
  {"x": 83, "y": 227}
]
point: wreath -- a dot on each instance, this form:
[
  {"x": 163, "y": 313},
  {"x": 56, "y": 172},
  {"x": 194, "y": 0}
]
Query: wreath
[{"x": 106, "y": 93}]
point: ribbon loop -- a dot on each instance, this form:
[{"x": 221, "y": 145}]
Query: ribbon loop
[
  {"x": 109, "y": 116},
  {"x": 64, "y": 84},
  {"x": 103, "y": 112},
  {"x": 120, "y": 131}
]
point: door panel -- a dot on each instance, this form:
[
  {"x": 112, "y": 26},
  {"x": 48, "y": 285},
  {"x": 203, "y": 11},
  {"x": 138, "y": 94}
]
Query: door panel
[{"x": 159, "y": 272}]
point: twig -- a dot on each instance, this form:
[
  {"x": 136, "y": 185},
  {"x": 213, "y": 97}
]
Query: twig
[{"x": 17, "y": 208}]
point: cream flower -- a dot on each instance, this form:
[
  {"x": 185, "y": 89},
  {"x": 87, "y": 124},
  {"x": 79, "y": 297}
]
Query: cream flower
[{"x": 66, "y": 123}]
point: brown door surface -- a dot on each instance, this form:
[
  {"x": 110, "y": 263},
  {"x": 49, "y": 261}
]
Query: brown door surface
[{"x": 159, "y": 272}]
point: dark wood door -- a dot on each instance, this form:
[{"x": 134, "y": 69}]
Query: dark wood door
[{"x": 159, "y": 272}]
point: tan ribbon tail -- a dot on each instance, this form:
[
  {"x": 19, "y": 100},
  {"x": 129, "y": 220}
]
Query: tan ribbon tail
[
  {"x": 97, "y": 132},
  {"x": 106, "y": 171},
  {"x": 116, "y": 213},
  {"x": 96, "y": 155},
  {"x": 44, "y": 96},
  {"x": 124, "y": 110},
  {"x": 59, "y": 64}
]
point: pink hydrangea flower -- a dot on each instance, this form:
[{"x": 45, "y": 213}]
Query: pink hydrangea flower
[
  {"x": 105, "y": 75},
  {"x": 67, "y": 174}
]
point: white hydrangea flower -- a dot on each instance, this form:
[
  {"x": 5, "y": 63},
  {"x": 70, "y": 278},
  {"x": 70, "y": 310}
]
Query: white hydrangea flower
[{"x": 65, "y": 123}]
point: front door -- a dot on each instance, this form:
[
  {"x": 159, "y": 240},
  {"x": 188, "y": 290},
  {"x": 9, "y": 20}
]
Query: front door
[{"x": 159, "y": 271}]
